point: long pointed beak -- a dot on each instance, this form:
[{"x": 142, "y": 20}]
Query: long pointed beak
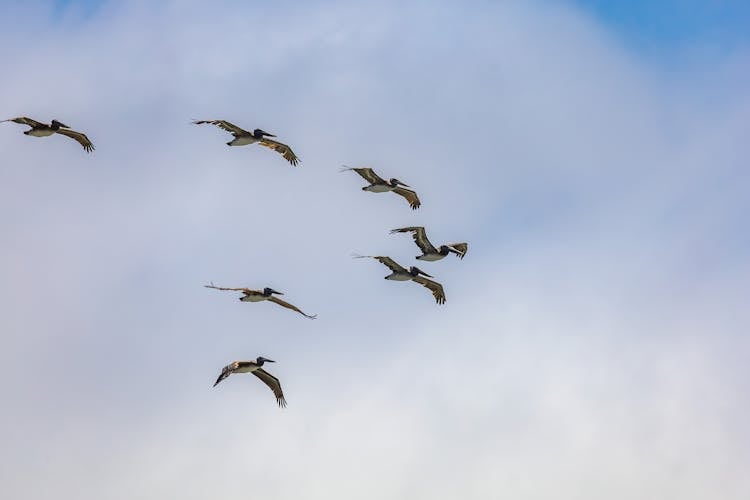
[
  {"x": 268, "y": 360},
  {"x": 419, "y": 271},
  {"x": 277, "y": 293}
]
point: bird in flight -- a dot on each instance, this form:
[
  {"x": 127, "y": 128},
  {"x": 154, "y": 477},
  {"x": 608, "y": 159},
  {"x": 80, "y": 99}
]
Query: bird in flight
[
  {"x": 249, "y": 295},
  {"x": 380, "y": 185},
  {"x": 39, "y": 129},
  {"x": 429, "y": 252},
  {"x": 255, "y": 367},
  {"x": 243, "y": 137},
  {"x": 415, "y": 274}
]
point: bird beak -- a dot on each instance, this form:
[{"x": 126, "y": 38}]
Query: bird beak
[
  {"x": 266, "y": 133},
  {"x": 402, "y": 184},
  {"x": 277, "y": 293},
  {"x": 423, "y": 273},
  {"x": 268, "y": 360}
]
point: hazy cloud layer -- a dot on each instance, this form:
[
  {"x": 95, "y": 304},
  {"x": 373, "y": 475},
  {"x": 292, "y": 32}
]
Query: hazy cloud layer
[{"x": 594, "y": 343}]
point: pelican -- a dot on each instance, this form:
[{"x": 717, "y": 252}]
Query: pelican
[
  {"x": 412, "y": 274},
  {"x": 380, "y": 185},
  {"x": 243, "y": 138},
  {"x": 261, "y": 295},
  {"x": 255, "y": 367},
  {"x": 43, "y": 130},
  {"x": 429, "y": 252}
]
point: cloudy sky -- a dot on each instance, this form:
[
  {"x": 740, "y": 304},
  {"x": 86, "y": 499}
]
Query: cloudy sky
[{"x": 595, "y": 339}]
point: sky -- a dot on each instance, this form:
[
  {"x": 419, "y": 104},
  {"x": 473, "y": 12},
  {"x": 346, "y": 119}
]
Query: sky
[{"x": 594, "y": 342}]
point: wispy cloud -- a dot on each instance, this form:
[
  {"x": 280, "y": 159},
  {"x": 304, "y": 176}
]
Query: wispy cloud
[{"x": 593, "y": 343}]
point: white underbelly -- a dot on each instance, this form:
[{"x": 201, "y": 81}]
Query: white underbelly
[
  {"x": 377, "y": 188},
  {"x": 246, "y": 369},
  {"x": 40, "y": 133},
  {"x": 243, "y": 141},
  {"x": 431, "y": 257},
  {"x": 253, "y": 298},
  {"x": 399, "y": 277}
]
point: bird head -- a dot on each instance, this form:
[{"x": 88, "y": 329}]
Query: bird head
[
  {"x": 395, "y": 182},
  {"x": 268, "y": 291},
  {"x": 57, "y": 124},
  {"x": 260, "y": 360},
  {"x": 415, "y": 271},
  {"x": 260, "y": 133}
]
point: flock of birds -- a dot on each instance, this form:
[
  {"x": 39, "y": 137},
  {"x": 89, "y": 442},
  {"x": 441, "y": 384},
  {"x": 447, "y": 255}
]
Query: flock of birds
[{"x": 376, "y": 184}]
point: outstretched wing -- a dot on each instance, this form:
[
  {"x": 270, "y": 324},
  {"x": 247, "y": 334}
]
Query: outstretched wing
[
  {"x": 246, "y": 290},
  {"x": 224, "y": 125},
  {"x": 367, "y": 174},
  {"x": 25, "y": 121},
  {"x": 459, "y": 249},
  {"x": 420, "y": 238},
  {"x": 435, "y": 287},
  {"x": 225, "y": 372},
  {"x": 78, "y": 136},
  {"x": 282, "y": 148},
  {"x": 290, "y": 306},
  {"x": 273, "y": 383},
  {"x": 411, "y": 197},
  {"x": 390, "y": 264}
]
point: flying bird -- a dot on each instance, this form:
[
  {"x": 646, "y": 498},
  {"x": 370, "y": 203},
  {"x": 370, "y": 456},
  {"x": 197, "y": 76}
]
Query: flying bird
[
  {"x": 255, "y": 367},
  {"x": 39, "y": 129},
  {"x": 261, "y": 295},
  {"x": 429, "y": 252},
  {"x": 243, "y": 138},
  {"x": 380, "y": 185},
  {"x": 412, "y": 274}
]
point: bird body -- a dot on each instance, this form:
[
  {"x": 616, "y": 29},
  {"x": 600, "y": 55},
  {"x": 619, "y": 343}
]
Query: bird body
[
  {"x": 429, "y": 252},
  {"x": 249, "y": 295},
  {"x": 255, "y": 367},
  {"x": 243, "y": 138},
  {"x": 39, "y": 129},
  {"x": 380, "y": 185},
  {"x": 400, "y": 273}
]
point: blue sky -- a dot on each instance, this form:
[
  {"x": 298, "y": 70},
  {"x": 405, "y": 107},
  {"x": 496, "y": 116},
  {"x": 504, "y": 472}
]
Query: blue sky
[
  {"x": 675, "y": 23},
  {"x": 594, "y": 341},
  {"x": 646, "y": 24}
]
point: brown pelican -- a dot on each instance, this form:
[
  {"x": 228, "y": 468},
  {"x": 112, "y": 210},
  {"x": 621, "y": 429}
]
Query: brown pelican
[
  {"x": 413, "y": 273},
  {"x": 243, "y": 137},
  {"x": 43, "y": 130},
  {"x": 254, "y": 367},
  {"x": 261, "y": 295},
  {"x": 429, "y": 252},
  {"x": 380, "y": 185}
]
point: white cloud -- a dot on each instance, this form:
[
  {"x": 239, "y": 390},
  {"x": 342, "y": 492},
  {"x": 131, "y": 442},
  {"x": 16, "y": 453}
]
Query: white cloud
[{"x": 592, "y": 343}]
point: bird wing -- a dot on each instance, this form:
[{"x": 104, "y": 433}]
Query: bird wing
[
  {"x": 411, "y": 196},
  {"x": 390, "y": 264},
  {"x": 224, "y": 125},
  {"x": 25, "y": 121},
  {"x": 369, "y": 175},
  {"x": 282, "y": 148},
  {"x": 246, "y": 290},
  {"x": 78, "y": 136},
  {"x": 420, "y": 237},
  {"x": 273, "y": 383},
  {"x": 459, "y": 249},
  {"x": 435, "y": 287},
  {"x": 290, "y": 306},
  {"x": 225, "y": 372}
]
